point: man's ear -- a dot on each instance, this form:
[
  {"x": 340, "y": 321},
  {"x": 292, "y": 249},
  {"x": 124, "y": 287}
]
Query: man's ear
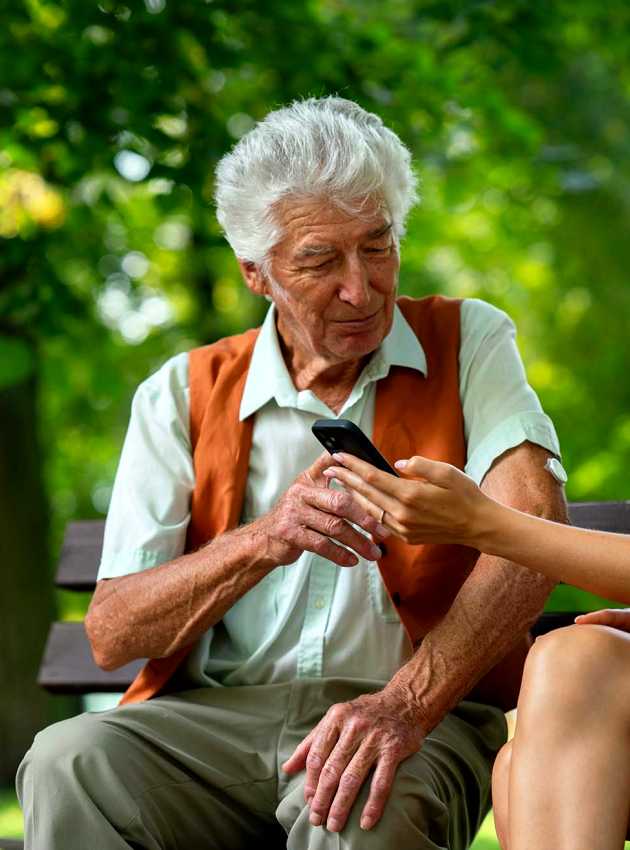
[{"x": 254, "y": 279}]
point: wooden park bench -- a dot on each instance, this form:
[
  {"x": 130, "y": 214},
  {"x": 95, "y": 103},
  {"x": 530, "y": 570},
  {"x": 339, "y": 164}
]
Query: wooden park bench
[{"x": 68, "y": 667}]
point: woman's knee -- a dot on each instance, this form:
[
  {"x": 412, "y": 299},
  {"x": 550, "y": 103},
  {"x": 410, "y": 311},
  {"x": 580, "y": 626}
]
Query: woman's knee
[
  {"x": 501, "y": 769},
  {"x": 500, "y": 786},
  {"x": 575, "y": 663}
]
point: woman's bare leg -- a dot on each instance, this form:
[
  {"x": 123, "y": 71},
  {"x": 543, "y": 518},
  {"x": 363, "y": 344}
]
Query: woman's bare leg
[
  {"x": 500, "y": 793},
  {"x": 569, "y": 778}
]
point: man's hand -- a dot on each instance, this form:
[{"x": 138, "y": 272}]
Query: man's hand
[
  {"x": 373, "y": 731},
  {"x": 309, "y": 516},
  {"x": 618, "y": 618}
]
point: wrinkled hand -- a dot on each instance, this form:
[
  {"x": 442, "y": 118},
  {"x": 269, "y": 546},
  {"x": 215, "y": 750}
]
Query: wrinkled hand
[
  {"x": 373, "y": 731},
  {"x": 309, "y": 514},
  {"x": 618, "y": 618},
  {"x": 433, "y": 503}
]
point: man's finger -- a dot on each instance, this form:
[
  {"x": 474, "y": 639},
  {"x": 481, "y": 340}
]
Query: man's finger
[
  {"x": 320, "y": 544},
  {"x": 341, "y": 504},
  {"x": 321, "y": 748},
  {"x": 380, "y": 789},
  {"x": 350, "y": 783},
  {"x": 331, "y": 528},
  {"x": 369, "y": 507},
  {"x": 314, "y": 472},
  {"x": 332, "y": 774},
  {"x": 297, "y": 760}
]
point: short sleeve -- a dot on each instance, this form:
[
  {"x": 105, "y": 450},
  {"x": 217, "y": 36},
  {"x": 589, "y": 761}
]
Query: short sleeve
[
  {"x": 150, "y": 506},
  {"x": 501, "y": 410}
]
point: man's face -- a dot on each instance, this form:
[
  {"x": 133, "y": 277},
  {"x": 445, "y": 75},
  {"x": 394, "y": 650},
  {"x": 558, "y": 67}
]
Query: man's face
[{"x": 333, "y": 280}]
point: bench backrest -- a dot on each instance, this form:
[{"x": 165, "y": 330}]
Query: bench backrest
[{"x": 68, "y": 666}]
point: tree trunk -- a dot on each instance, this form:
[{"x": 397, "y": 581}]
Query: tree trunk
[{"x": 26, "y": 590}]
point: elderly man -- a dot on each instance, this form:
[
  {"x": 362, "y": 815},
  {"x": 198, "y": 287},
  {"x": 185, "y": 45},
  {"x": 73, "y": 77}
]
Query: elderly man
[{"x": 309, "y": 670}]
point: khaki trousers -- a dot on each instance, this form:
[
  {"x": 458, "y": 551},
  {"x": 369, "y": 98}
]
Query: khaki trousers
[{"x": 201, "y": 769}]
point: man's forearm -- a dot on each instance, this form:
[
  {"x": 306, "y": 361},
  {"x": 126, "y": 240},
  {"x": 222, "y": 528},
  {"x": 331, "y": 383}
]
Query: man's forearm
[
  {"x": 159, "y": 611},
  {"x": 495, "y": 606},
  {"x": 156, "y": 612}
]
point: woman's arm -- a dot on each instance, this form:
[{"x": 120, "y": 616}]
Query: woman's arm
[
  {"x": 596, "y": 561},
  {"x": 436, "y": 503}
]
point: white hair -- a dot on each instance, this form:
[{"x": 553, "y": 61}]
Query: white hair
[{"x": 327, "y": 148}]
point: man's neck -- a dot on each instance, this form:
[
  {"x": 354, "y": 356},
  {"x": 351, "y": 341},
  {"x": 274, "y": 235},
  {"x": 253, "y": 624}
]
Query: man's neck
[{"x": 330, "y": 381}]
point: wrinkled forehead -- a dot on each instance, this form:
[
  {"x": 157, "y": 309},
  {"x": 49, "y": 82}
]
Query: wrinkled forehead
[{"x": 311, "y": 222}]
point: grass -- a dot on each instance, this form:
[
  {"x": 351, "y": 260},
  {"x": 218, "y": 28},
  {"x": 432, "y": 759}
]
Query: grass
[{"x": 486, "y": 837}]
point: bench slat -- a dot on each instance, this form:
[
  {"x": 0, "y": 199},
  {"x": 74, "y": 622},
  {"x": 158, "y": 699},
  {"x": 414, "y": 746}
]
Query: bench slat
[
  {"x": 601, "y": 516},
  {"x": 83, "y": 541},
  {"x": 68, "y": 667},
  {"x": 80, "y": 554}
]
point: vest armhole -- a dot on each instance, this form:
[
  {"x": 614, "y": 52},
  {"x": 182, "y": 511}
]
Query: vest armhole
[{"x": 208, "y": 364}]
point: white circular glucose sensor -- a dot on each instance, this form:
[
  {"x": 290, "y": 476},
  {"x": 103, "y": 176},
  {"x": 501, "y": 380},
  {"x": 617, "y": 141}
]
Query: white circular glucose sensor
[{"x": 554, "y": 466}]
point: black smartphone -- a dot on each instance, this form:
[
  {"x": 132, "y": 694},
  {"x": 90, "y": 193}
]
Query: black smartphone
[{"x": 341, "y": 435}]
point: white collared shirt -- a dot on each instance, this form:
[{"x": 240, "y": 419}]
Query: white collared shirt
[{"x": 310, "y": 618}]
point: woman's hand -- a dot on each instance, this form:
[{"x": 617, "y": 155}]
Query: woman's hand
[
  {"x": 618, "y": 618},
  {"x": 433, "y": 503}
]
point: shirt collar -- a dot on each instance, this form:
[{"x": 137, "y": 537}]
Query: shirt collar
[{"x": 268, "y": 376}]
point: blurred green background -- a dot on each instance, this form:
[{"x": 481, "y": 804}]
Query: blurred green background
[{"x": 112, "y": 119}]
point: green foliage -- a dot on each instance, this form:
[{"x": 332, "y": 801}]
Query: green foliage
[
  {"x": 115, "y": 115},
  {"x": 16, "y": 361},
  {"x": 10, "y": 814}
]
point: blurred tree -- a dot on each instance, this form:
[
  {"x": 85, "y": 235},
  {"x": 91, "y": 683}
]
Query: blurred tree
[{"x": 113, "y": 118}]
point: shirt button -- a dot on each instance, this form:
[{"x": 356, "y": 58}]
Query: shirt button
[{"x": 319, "y": 602}]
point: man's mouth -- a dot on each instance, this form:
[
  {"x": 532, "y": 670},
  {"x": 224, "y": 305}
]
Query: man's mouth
[{"x": 359, "y": 322}]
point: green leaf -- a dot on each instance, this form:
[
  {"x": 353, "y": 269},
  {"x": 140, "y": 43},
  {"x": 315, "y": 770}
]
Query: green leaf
[{"x": 17, "y": 361}]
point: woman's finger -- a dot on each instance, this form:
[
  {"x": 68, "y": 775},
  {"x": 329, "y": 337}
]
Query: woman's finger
[
  {"x": 388, "y": 524},
  {"x": 362, "y": 485},
  {"x": 618, "y": 618},
  {"x": 383, "y": 481},
  {"x": 433, "y": 471},
  {"x": 369, "y": 507}
]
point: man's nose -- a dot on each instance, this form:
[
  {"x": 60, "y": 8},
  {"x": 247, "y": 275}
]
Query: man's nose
[{"x": 355, "y": 286}]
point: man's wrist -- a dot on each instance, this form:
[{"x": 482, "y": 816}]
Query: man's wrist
[
  {"x": 247, "y": 546},
  {"x": 407, "y": 691},
  {"x": 258, "y": 546}
]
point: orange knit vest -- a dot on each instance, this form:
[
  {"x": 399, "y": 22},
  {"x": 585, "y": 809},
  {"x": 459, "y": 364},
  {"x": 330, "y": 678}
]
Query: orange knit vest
[{"x": 415, "y": 414}]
